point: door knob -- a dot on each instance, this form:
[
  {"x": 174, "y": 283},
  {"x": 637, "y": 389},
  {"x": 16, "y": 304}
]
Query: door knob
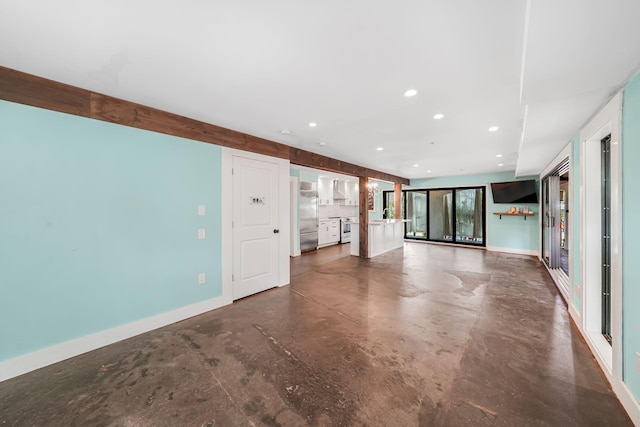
[{"x": 276, "y": 231}]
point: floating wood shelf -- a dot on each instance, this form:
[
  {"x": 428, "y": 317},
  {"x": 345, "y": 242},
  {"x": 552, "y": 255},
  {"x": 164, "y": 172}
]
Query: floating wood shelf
[{"x": 525, "y": 215}]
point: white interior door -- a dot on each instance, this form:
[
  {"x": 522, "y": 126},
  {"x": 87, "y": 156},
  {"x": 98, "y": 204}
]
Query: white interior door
[{"x": 255, "y": 226}]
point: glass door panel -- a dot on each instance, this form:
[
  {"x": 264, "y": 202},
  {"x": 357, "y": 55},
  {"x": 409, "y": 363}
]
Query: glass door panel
[
  {"x": 469, "y": 216},
  {"x": 553, "y": 260},
  {"x": 416, "y": 212},
  {"x": 441, "y": 215},
  {"x": 551, "y": 236},
  {"x": 564, "y": 227},
  {"x": 606, "y": 236},
  {"x": 546, "y": 222}
]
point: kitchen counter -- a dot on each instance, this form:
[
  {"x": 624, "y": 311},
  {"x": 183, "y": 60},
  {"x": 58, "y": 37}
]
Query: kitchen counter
[
  {"x": 387, "y": 221},
  {"x": 384, "y": 235}
]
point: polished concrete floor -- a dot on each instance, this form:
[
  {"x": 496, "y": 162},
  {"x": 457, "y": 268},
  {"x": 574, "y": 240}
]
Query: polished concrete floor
[{"x": 426, "y": 335}]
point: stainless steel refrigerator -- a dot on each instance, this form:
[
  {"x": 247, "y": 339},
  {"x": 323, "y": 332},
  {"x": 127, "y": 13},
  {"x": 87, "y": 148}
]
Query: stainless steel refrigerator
[{"x": 308, "y": 216}]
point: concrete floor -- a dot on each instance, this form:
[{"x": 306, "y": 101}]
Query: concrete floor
[{"x": 441, "y": 336}]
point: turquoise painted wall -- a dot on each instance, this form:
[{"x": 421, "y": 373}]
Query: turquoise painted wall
[
  {"x": 98, "y": 226},
  {"x": 574, "y": 227},
  {"x": 506, "y": 233},
  {"x": 308, "y": 176},
  {"x": 631, "y": 233}
]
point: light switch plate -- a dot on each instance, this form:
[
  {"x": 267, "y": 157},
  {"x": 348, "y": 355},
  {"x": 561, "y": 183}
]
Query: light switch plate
[
  {"x": 202, "y": 210},
  {"x": 638, "y": 363},
  {"x": 202, "y": 279},
  {"x": 201, "y": 234}
]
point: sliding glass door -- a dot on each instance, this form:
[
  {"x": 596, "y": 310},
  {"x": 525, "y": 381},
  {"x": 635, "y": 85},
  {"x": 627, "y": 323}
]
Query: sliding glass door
[
  {"x": 451, "y": 215},
  {"x": 551, "y": 221},
  {"x": 555, "y": 241}
]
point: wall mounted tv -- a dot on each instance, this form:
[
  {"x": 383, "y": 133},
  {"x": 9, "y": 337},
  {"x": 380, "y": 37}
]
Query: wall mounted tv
[{"x": 515, "y": 192}]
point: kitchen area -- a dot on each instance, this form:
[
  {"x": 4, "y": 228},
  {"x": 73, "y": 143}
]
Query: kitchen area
[
  {"x": 327, "y": 214},
  {"x": 327, "y": 208}
]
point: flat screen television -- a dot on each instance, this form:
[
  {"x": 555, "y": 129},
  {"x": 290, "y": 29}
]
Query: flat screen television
[{"x": 515, "y": 192}]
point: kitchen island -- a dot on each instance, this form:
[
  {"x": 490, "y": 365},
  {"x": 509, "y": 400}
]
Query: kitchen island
[{"x": 384, "y": 236}]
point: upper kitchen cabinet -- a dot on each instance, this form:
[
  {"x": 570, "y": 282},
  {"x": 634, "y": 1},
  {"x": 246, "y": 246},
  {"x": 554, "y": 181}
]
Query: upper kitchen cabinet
[
  {"x": 351, "y": 193},
  {"x": 325, "y": 191}
]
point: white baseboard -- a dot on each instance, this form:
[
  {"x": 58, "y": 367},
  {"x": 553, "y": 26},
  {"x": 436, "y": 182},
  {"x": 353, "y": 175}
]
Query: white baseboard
[
  {"x": 622, "y": 392},
  {"x": 629, "y": 402},
  {"x": 577, "y": 317},
  {"x": 38, "y": 359},
  {"x": 514, "y": 251}
]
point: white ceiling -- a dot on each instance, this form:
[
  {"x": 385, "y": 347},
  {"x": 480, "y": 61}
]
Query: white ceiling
[{"x": 259, "y": 67}]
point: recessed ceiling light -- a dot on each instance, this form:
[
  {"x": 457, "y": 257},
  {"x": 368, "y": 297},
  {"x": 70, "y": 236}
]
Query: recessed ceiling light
[
  {"x": 313, "y": 124},
  {"x": 379, "y": 149},
  {"x": 410, "y": 93},
  {"x": 429, "y": 171},
  {"x": 438, "y": 116},
  {"x": 493, "y": 128},
  {"x": 415, "y": 166},
  {"x": 498, "y": 155},
  {"x": 500, "y": 164},
  {"x": 322, "y": 144},
  {"x": 285, "y": 132}
]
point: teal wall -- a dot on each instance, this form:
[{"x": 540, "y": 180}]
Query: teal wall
[
  {"x": 506, "y": 233},
  {"x": 307, "y": 176},
  {"x": 98, "y": 226},
  {"x": 631, "y": 233},
  {"x": 574, "y": 227}
]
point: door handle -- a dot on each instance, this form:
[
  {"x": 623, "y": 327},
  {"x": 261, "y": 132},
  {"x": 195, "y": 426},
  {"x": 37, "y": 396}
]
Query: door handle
[{"x": 276, "y": 231}]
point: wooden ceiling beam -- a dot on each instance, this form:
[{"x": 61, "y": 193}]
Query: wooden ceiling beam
[
  {"x": 309, "y": 159},
  {"x": 23, "y": 88}
]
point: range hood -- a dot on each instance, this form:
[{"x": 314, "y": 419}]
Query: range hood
[{"x": 339, "y": 190}]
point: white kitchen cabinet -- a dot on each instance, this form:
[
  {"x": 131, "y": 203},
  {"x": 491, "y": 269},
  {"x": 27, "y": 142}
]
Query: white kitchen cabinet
[
  {"x": 385, "y": 235},
  {"x": 328, "y": 232},
  {"x": 334, "y": 231},
  {"x": 351, "y": 193},
  {"x": 323, "y": 233},
  {"x": 325, "y": 191}
]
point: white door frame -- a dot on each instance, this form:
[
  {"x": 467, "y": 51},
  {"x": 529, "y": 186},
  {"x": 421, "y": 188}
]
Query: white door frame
[
  {"x": 294, "y": 244},
  {"x": 608, "y": 120},
  {"x": 227, "y": 217}
]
